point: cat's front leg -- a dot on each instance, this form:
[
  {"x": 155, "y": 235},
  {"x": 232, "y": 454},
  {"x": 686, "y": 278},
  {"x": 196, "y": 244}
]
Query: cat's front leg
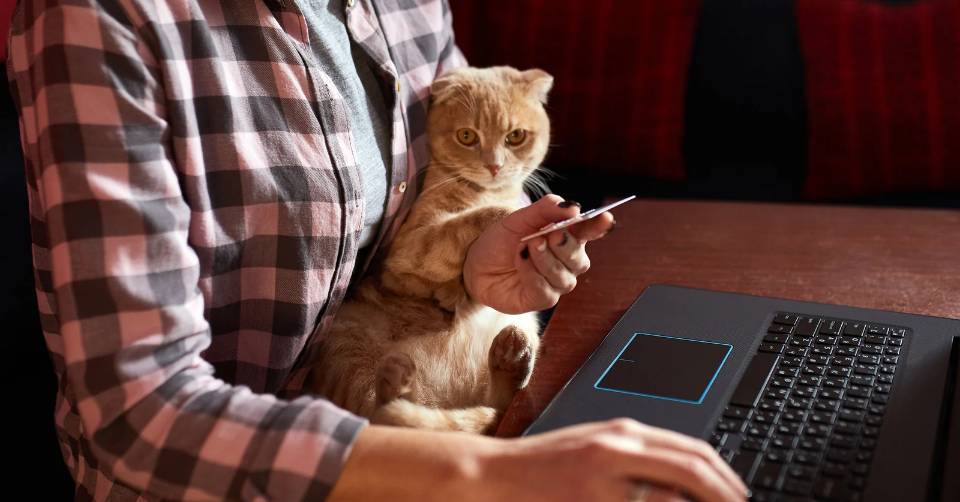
[
  {"x": 511, "y": 358},
  {"x": 429, "y": 259}
]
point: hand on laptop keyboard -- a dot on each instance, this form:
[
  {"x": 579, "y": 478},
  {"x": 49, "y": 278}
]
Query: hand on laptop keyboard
[{"x": 608, "y": 460}]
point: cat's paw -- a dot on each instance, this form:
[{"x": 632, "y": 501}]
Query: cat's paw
[
  {"x": 511, "y": 356},
  {"x": 395, "y": 377}
]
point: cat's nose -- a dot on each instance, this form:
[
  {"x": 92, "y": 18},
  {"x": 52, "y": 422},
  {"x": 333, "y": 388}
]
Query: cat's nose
[{"x": 494, "y": 169}]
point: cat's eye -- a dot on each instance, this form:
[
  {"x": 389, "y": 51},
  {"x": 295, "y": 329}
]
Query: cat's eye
[
  {"x": 516, "y": 137},
  {"x": 467, "y": 137}
]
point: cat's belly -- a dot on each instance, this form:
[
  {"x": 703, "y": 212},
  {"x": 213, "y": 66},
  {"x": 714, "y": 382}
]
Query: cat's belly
[{"x": 452, "y": 367}]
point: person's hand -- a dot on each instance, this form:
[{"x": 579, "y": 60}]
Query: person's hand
[
  {"x": 514, "y": 277},
  {"x": 614, "y": 461},
  {"x": 617, "y": 460}
]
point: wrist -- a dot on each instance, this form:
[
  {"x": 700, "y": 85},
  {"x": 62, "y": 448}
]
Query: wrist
[{"x": 389, "y": 463}]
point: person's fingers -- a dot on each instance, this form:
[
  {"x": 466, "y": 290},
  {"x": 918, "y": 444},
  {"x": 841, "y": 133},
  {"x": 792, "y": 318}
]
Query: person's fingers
[
  {"x": 552, "y": 269},
  {"x": 640, "y": 491},
  {"x": 593, "y": 228},
  {"x": 549, "y": 209},
  {"x": 639, "y": 438},
  {"x": 688, "y": 473},
  {"x": 663, "y": 438},
  {"x": 569, "y": 251},
  {"x": 540, "y": 293}
]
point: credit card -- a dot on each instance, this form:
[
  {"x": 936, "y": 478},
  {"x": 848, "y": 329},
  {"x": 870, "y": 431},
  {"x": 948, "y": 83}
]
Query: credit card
[{"x": 584, "y": 216}]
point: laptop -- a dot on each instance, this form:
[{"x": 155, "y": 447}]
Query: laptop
[{"x": 806, "y": 401}]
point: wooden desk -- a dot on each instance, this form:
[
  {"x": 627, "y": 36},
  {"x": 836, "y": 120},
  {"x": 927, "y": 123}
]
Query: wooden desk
[{"x": 905, "y": 260}]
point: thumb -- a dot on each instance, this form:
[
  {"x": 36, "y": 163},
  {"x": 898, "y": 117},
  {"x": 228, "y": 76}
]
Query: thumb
[{"x": 545, "y": 211}]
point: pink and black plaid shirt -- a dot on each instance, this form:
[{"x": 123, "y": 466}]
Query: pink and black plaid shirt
[{"x": 195, "y": 208}]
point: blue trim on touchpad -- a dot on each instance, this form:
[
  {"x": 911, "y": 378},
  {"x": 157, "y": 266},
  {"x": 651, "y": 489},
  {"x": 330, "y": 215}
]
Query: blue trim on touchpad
[{"x": 665, "y": 367}]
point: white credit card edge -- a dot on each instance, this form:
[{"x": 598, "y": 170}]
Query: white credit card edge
[{"x": 590, "y": 214}]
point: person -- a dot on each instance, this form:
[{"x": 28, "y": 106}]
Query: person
[{"x": 204, "y": 180}]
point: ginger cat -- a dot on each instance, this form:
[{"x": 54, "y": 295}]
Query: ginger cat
[{"x": 410, "y": 348}]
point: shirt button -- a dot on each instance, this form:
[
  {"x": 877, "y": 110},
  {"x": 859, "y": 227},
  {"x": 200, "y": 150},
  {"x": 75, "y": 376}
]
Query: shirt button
[
  {"x": 402, "y": 187},
  {"x": 350, "y": 3},
  {"x": 398, "y": 86}
]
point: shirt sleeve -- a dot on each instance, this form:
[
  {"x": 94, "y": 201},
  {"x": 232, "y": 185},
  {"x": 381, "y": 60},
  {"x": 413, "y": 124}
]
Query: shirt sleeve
[
  {"x": 450, "y": 55},
  {"x": 125, "y": 278}
]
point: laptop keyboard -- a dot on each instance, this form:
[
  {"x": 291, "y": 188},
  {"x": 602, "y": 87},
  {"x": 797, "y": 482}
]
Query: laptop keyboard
[{"x": 804, "y": 419}]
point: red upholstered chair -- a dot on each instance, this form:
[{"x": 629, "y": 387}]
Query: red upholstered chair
[
  {"x": 839, "y": 100},
  {"x": 620, "y": 70},
  {"x": 883, "y": 91}
]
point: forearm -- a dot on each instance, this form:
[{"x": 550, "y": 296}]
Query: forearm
[
  {"x": 396, "y": 464},
  {"x": 233, "y": 444}
]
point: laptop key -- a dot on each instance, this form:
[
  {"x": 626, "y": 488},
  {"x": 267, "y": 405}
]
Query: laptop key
[
  {"x": 717, "y": 439},
  {"x": 801, "y": 472},
  {"x": 807, "y": 326},
  {"x": 853, "y": 328},
  {"x": 814, "y": 444},
  {"x": 838, "y": 372},
  {"x": 856, "y": 403},
  {"x": 765, "y": 417},
  {"x": 794, "y": 416},
  {"x": 822, "y": 417},
  {"x": 840, "y": 455},
  {"x": 834, "y": 470},
  {"x": 768, "y": 475},
  {"x": 831, "y": 393},
  {"x": 772, "y": 348},
  {"x": 842, "y": 361},
  {"x": 835, "y": 382},
  {"x": 847, "y": 428},
  {"x": 738, "y": 412},
  {"x": 779, "y": 330},
  {"x": 806, "y": 457},
  {"x": 830, "y": 327},
  {"x": 785, "y": 318},
  {"x": 730, "y": 425},
  {"x": 792, "y": 361},
  {"x": 744, "y": 463},
  {"x": 751, "y": 385},
  {"x": 796, "y": 487},
  {"x": 851, "y": 415}
]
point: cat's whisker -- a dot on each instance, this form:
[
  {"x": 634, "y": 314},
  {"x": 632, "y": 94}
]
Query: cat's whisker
[{"x": 441, "y": 183}]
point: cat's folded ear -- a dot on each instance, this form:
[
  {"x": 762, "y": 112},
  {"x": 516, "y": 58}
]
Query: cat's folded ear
[
  {"x": 444, "y": 86},
  {"x": 538, "y": 82}
]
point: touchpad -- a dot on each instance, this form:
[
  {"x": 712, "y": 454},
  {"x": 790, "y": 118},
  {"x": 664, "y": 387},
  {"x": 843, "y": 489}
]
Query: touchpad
[{"x": 664, "y": 367}]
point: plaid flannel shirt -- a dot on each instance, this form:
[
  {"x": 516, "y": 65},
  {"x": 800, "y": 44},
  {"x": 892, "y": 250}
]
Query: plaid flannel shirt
[{"x": 195, "y": 208}]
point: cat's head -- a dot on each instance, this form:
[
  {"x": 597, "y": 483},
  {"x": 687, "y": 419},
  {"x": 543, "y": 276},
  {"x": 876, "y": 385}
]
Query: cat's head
[{"x": 489, "y": 125}]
